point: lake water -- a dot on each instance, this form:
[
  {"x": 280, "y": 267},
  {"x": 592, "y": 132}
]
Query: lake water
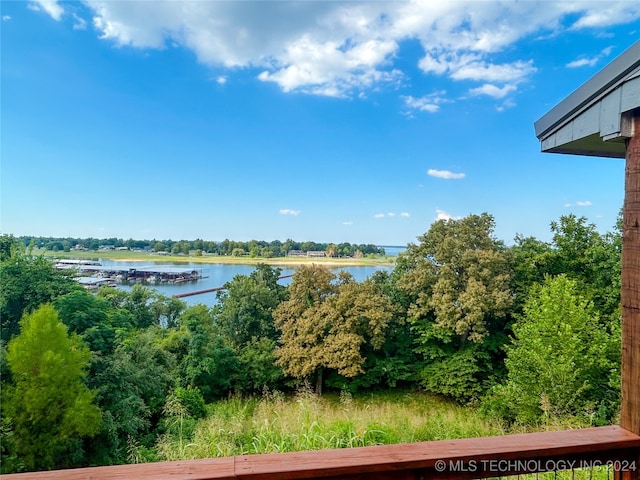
[
  {"x": 217, "y": 274},
  {"x": 393, "y": 250}
]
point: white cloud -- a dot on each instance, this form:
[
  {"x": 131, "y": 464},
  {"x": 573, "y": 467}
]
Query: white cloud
[
  {"x": 347, "y": 223},
  {"x": 442, "y": 215},
  {"x": 492, "y": 90},
  {"x": 446, "y": 174},
  {"x": 482, "y": 71},
  {"x": 331, "y": 68},
  {"x": 473, "y": 67},
  {"x": 221, "y": 80},
  {"x": 585, "y": 203},
  {"x": 343, "y": 49},
  {"x": 6, "y": 18},
  {"x": 52, "y": 7},
  {"x": 611, "y": 13},
  {"x": 391, "y": 215},
  {"x": 590, "y": 62},
  {"x": 429, "y": 103},
  {"x": 80, "y": 23},
  {"x": 287, "y": 211},
  {"x": 583, "y": 62}
]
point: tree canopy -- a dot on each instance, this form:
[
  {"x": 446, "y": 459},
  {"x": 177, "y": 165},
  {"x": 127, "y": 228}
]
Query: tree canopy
[
  {"x": 326, "y": 321},
  {"x": 49, "y": 407}
]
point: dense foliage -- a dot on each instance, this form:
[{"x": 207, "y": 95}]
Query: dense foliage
[
  {"x": 253, "y": 248},
  {"x": 529, "y": 333}
]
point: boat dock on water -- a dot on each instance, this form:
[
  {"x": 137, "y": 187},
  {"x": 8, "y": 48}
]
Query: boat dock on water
[{"x": 147, "y": 274}]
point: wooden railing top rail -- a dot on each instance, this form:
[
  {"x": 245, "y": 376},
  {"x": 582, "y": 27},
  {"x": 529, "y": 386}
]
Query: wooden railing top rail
[{"x": 462, "y": 458}]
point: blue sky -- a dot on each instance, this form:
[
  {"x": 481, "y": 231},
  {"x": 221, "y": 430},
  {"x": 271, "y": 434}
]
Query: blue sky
[{"x": 324, "y": 121}]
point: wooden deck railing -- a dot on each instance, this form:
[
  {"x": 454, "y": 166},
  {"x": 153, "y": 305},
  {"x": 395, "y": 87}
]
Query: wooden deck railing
[{"x": 465, "y": 458}]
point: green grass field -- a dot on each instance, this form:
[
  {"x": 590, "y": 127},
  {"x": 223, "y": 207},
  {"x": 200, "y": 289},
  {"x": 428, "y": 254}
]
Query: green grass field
[{"x": 130, "y": 256}]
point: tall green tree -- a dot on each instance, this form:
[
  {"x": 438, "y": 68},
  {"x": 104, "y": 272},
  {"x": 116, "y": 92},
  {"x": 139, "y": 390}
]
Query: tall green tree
[
  {"x": 48, "y": 405},
  {"x": 244, "y": 315},
  {"x": 326, "y": 324},
  {"x": 562, "y": 361},
  {"x": 458, "y": 280}
]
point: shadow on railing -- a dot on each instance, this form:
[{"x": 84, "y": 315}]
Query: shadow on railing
[{"x": 611, "y": 449}]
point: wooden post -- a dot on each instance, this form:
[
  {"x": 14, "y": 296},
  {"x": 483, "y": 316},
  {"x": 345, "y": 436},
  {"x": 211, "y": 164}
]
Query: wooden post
[{"x": 630, "y": 416}]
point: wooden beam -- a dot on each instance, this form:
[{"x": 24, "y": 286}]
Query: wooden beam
[
  {"x": 467, "y": 458},
  {"x": 207, "y": 469},
  {"x": 630, "y": 414}
]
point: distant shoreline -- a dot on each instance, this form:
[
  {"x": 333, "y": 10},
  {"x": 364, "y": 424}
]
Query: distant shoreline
[{"x": 129, "y": 256}]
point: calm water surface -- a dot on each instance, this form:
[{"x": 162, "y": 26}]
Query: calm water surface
[{"x": 217, "y": 274}]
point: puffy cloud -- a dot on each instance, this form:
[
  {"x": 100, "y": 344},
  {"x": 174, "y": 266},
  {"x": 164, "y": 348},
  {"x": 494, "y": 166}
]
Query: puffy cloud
[
  {"x": 473, "y": 67},
  {"x": 221, "y": 80},
  {"x": 442, "y": 215},
  {"x": 446, "y": 174},
  {"x": 611, "y": 13},
  {"x": 330, "y": 68},
  {"x": 379, "y": 215},
  {"x": 492, "y": 90},
  {"x": 342, "y": 49},
  {"x": 52, "y": 7},
  {"x": 405, "y": 214},
  {"x": 6, "y": 18},
  {"x": 287, "y": 211}
]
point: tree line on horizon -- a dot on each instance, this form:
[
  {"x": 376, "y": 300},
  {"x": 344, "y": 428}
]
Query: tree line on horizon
[
  {"x": 523, "y": 333},
  {"x": 252, "y": 248}
]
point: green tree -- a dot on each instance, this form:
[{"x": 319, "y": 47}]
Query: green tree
[
  {"x": 245, "y": 307},
  {"x": 579, "y": 251},
  {"x": 208, "y": 362},
  {"x": 26, "y": 282},
  {"x": 131, "y": 386},
  {"x": 8, "y": 246},
  {"x": 396, "y": 363},
  {"x": 562, "y": 361},
  {"x": 79, "y": 310},
  {"x": 326, "y": 324},
  {"x": 592, "y": 259},
  {"x": 532, "y": 261},
  {"x": 245, "y": 316},
  {"x": 458, "y": 281},
  {"x": 49, "y": 406},
  {"x": 257, "y": 369}
]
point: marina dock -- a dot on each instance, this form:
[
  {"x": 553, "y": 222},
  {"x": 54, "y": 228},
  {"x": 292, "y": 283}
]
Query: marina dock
[{"x": 146, "y": 274}]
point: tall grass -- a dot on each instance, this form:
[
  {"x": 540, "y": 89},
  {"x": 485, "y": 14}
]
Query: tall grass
[{"x": 276, "y": 423}]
